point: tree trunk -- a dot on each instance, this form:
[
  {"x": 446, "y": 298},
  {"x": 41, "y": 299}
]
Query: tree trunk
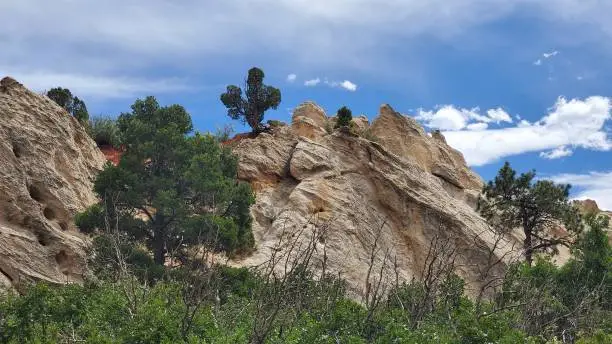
[
  {"x": 159, "y": 247},
  {"x": 527, "y": 245},
  {"x": 159, "y": 251}
]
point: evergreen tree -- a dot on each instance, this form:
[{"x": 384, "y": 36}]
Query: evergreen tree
[
  {"x": 345, "y": 116},
  {"x": 73, "y": 105},
  {"x": 259, "y": 98},
  {"x": 535, "y": 207},
  {"x": 184, "y": 187}
]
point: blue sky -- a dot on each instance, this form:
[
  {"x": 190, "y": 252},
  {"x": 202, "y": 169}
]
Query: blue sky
[{"x": 521, "y": 80}]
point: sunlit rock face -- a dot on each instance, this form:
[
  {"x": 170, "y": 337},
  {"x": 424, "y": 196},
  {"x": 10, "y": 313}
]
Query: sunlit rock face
[
  {"x": 400, "y": 185},
  {"x": 47, "y": 167}
]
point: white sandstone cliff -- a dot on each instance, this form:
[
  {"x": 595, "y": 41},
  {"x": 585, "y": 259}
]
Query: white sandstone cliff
[
  {"x": 47, "y": 165},
  {"x": 406, "y": 188}
]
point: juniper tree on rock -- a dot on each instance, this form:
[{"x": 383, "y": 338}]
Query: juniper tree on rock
[
  {"x": 72, "y": 104},
  {"x": 537, "y": 207},
  {"x": 258, "y": 99},
  {"x": 345, "y": 116},
  {"x": 173, "y": 189}
]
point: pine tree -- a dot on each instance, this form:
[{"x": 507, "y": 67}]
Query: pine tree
[
  {"x": 537, "y": 207},
  {"x": 259, "y": 98},
  {"x": 184, "y": 186}
]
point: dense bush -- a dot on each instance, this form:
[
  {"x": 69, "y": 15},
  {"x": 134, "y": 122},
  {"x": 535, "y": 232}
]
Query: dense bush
[
  {"x": 72, "y": 104},
  {"x": 172, "y": 189},
  {"x": 538, "y": 304},
  {"x": 344, "y": 117},
  {"x": 104, "y": 131}
]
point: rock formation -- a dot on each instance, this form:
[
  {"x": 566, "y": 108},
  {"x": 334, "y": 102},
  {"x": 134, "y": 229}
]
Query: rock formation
[
  {"x": 47, "y": 165},
  {"x": 403, "y": 187}
]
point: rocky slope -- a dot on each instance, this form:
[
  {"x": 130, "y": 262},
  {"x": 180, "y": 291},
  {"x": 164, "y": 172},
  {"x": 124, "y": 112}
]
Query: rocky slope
[
  {"x": 47, "y": 164},
  {"x": 403, "y": 191}
]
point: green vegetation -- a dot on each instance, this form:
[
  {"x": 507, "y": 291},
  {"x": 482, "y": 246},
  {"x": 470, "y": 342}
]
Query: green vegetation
[
  {"x": 259, "y": 98},
  {"x": 64, "y": 98},
  {"x": 198, "y": 304},
  {"x": 104, "y": 131},
  {"x": 171, "y": 191},
  {"x": 173, "y": 204},
  {"x": 535, "y": 207},
  {"x": 344, "y": 117}
]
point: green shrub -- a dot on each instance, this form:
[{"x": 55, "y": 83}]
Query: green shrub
[
  {"x": 104, "y": 131},
  {"x": 344, "y": 117}
]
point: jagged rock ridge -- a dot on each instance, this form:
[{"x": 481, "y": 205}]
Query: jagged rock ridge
[
  {"x": 47, "y": 165},
  {"x": 408, "y": 186}
]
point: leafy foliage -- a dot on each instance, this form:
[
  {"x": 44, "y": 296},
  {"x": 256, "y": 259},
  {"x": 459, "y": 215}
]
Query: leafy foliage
[
  {"x": 171, "y": 191},
  {"x": 104, "y": 131},
  {"x": 259, "y": 98},
  {"x": 344, "y": 117},
  {"x": 539, "y": 304},
  {"x": 535, "y": 207},
  {"x": 75, "y": 106}
]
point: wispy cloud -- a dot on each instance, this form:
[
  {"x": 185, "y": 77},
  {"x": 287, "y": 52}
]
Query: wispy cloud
[
  {"x": 551, "y": 54},
  {"x": 448, "y": 117},
  {"x": 312, "y": 82},
  {"x": 291, "y": 77},
  {"x": 101, "y": 86},
  {"x": 346, "y": 84},
  {"x": 591, "y": 185},
  {"x": 557, "y": 153},
  {"x": 545, "y": 56},
  {"x": 569, "y": 124}
]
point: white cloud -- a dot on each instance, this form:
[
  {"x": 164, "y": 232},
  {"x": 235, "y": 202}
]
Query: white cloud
[
  {"x": 499, "y": 115},
  {"x": 346, "y": 84},
  {"x": 573, "y": 123},
  {"x": 538, "y": 62},
  {"x": 312, "y": 82},
  {"x": 557, "y": 153},
  {"x": 592, "y": 185},
  {"x": 291, "y": 77},
  {"x": 448, "y": 117},
  {"x": 477, "y": 126},
  {"x": 551, "y": 54},
  {"x": 100, "y": 86},
  {"x": 122, "y": 37},
  {"x": 349, "y": 86}
]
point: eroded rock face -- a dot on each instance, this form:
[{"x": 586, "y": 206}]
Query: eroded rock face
[
  {"x": 47, "y": 165},
  {"x": 403, "y": 136},
  {"x": 407, "y": 189},
  {"x": 309, "y": 120}
]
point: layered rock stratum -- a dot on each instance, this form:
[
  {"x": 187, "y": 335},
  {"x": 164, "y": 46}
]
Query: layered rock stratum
[
  {"x": 47, "y": 166},
  {"x": 400, "y": 187}
]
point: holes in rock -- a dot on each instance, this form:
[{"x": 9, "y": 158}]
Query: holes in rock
[
  {"x": 63, "y": 226},
  {"x": 43, "y": 239},
  {"x": 61, "y": 257},
  {"x": 49, "y": 213},
  {"x": 17, "y": 151},
  {"x": 64, "y": 261},
  {"x": 35, "y": 193}
]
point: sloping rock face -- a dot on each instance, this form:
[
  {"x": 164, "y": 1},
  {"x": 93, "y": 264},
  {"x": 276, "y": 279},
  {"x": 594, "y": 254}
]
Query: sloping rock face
[
  {"x": 47, "y": 165},
  {"x": 399, "y": 194}
]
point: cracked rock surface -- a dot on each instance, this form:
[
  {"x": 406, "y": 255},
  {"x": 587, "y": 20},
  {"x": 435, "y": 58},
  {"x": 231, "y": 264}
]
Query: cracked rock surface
[
  {"x": 47, "y": 165},
  {"x": 406, "y": 188}
]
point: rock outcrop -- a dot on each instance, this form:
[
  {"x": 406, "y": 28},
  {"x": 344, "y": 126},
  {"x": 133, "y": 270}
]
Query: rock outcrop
[
  {"x": 405, "y": 189},
  {"x": 47, "y": 165}
]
